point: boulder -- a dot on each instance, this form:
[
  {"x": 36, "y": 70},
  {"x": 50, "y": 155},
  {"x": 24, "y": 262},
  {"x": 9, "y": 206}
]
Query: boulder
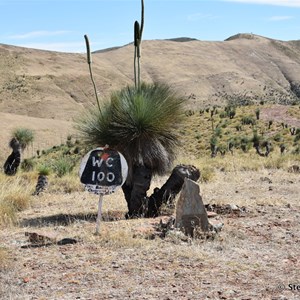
[{"x": 190, "y": 210}]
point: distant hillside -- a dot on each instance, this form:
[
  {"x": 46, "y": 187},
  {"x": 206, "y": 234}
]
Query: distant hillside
[{"x": 245, "y": 67}]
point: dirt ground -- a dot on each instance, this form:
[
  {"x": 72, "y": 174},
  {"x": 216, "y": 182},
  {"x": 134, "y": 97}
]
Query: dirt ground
[{"x": 255, "y": 256}]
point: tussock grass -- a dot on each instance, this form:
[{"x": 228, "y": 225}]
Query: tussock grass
[
  {"x": 67, "y": 184},
  {"x": 15, "y": 195},
  {"x": 240, "y": 162}
]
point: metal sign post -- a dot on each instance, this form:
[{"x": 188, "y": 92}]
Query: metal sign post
[
  {"x": 103, "y": 171},
  {"x": 99, "y": 214}
]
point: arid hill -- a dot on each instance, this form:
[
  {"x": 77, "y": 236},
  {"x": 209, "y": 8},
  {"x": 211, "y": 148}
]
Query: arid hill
[
  {"x": 57, "y": 85},
  {"x": 53, "y": 85}
]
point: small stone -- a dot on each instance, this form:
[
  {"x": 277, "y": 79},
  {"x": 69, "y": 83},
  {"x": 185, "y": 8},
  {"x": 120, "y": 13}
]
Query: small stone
[
  {"x": 211, "y": 214},
  {"x": 233, "y": 207},
  {"x": 26, "y": 279}
]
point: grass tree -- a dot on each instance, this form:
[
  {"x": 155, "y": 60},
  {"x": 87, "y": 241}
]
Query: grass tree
[
  {"x": 42, "y": 181},
  {"x": 21, "y": 137},
  {"x": 140, "y": 121}
]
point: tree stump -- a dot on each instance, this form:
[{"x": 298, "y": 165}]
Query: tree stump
[
  {"x": 171, "y": 188},
  {"x": 41, "y": 185}
]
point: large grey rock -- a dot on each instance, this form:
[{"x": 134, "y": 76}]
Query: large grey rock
[{"x": 190, "y": 210}]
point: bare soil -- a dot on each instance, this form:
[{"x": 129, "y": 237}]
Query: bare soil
[{"x": 255, "y": 256}]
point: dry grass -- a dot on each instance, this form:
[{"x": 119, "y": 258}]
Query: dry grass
[
  {"x": 5, "y": 259},
  {"x": 67, "y": 184},
  {"x": 240, "y": 162},
  {"x": 248, "y": 258},
  {"x": 15, "y": 195},
  {"x": 121, "y": 262}
]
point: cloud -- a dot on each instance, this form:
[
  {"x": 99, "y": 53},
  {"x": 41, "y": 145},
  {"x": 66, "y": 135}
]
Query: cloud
[
  {"x": 38, "y": 34},
  {"x": 280, "y": 18},
  {"x": 199, "y": 16},
  {"x": 290, "y": 3}
]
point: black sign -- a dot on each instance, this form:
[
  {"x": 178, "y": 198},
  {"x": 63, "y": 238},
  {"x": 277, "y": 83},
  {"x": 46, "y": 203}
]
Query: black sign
[{"x": 102, "y": 168}]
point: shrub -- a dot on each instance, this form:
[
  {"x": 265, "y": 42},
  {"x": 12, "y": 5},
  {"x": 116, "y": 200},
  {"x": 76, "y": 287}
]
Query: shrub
[
  {"x": 238, "y": 128},
  {"x": 297, "y": 138},
  {"x": 296, "y": 150},
  {"x": 248, "y": 120},
  {"x": 44, "y": 170},
  {"x": 218, "y": 132},
  {"x": 245, "y": 144},
  {"x": 257, "y": 113},
  {"x": 24, "y": 136},
  {"x": 207, "y": 174},
  {"x": 63, "y": 166},
  {"x": 270, "y": 123},
  {"x": 223, "y": 114},
  {"x": 222, "y": 148},
  {"x": 69, "y": 141},
  {"x": 256, "y": 139},
  {"x": 230, "y": 111},
  {"x": 27, "y": 164},
  {"x": 278, "y": 137}
]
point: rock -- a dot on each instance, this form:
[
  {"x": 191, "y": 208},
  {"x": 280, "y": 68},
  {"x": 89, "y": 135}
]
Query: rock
[
  {"x": 294, "y": 169},
  {"x": 211, "y": 214},
  {"x": 190, "y": 210},
  {"x": 217, "y": 227},
  {"x": 233, "y": 207}
]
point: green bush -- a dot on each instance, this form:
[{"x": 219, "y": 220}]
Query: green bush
[
  {"x": 44, "y": 170},
  {"x": 248, "y": 120},
  {"x": 27, "y": 164},
  {"x": 24, "y": 136},
  {"x": 278, "y": 137},
  {"x": 63, "y": 166}
]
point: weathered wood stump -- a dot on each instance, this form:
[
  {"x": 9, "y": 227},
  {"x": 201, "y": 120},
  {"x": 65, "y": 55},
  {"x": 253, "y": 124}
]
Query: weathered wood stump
[
  {"x": 171, "y": 188},
  {"x": 14, "y": 159},
  {"x": 41, "y": 185}
]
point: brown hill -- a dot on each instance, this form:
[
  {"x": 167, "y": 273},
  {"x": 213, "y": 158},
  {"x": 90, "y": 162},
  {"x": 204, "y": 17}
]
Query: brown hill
[
  {"x": 54, "y": 85},
  {"x": 57, "y": 85}
]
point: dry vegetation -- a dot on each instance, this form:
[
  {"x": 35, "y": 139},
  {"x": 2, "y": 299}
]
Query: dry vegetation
[
  {"x": 255, "y": 256},
  {"x": 133, "y": 259}
]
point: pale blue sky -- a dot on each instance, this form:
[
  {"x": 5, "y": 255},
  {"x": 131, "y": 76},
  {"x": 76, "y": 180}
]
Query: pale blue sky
[{"x": 60, "y": 25}]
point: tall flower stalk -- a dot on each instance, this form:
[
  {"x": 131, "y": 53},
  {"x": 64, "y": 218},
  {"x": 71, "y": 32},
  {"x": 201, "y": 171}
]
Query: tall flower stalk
[
  {"x": 89, "y": 61},
  {"x": 138, "y": 32}
]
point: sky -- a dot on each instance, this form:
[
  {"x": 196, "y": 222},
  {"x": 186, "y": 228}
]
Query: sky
[{"x": 60, "y": 25}]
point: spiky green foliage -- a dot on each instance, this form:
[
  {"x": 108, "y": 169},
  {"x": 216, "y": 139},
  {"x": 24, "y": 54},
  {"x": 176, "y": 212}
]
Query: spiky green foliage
[
  {"x": 139, "y": 123},
  {"x": 24, "y": 135},
  {"x": 44, "y": 170},
  {"x": 27, "y": 164}
]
